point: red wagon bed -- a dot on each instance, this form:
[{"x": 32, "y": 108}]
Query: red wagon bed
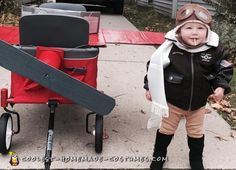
[{"x": 53, "y": 64}]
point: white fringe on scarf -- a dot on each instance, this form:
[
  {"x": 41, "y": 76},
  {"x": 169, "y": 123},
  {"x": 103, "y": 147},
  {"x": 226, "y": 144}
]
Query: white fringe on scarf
[{"x": 159, "y": 60}]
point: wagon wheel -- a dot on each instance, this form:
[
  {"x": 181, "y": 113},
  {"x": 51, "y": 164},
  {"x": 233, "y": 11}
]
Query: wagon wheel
[
  {"x": 6, "y": 132},
  {"x": 98, "y": 133}
]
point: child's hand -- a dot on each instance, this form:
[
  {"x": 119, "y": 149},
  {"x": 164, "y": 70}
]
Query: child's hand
[
  {"x": 148, "y": 95},
  {"x": 218, "y": 94}
]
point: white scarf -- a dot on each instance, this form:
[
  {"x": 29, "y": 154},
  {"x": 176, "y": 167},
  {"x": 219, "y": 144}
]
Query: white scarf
[{"x": 160, "y": 60}]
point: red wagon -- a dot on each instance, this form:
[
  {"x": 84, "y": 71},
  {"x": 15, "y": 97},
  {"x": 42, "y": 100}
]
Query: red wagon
[{"x": 58, "y": 43}]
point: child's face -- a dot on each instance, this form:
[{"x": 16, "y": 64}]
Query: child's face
[{"x": 193, "y": 33}]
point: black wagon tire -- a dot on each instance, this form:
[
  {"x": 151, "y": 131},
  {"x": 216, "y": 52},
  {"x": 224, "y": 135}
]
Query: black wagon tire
[
  {"x": 6, "y": 132},
  {"x": 98, "y": 133}
]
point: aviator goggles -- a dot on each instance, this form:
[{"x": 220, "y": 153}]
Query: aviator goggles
[{"x": 188, "y": 10}]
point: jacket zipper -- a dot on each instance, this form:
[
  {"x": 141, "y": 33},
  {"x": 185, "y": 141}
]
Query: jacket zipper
[{"x": 192, "y": 72}]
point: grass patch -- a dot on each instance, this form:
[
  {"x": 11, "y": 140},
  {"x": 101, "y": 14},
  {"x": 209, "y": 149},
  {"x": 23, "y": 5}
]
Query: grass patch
[
  {"x": 231, "y": 118},
  {"x": 147, "y": 19},
  {"x": 233, "y": 84}
]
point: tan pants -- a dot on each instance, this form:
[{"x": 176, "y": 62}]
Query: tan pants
[{"x": 194, "y": 121}]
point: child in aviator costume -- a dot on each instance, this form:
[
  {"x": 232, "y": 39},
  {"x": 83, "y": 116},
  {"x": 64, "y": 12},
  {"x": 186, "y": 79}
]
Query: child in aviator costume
[{"x": 188, "y": 67}]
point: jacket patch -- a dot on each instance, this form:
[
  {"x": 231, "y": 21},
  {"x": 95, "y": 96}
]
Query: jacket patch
[
  {"x": 225, "y": 63},
  {"x": 206, "y": 57}
]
